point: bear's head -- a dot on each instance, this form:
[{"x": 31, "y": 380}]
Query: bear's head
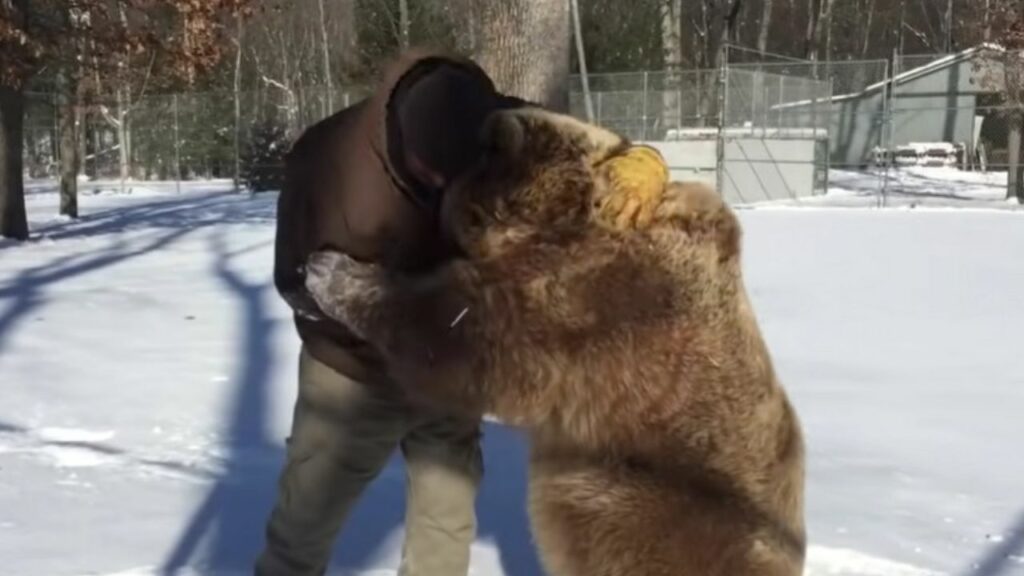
[{"x": 538, "y": 175}]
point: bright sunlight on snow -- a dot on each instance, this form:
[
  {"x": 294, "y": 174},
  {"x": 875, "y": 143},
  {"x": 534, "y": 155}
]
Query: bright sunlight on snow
[{"x": 147, "y": 370}]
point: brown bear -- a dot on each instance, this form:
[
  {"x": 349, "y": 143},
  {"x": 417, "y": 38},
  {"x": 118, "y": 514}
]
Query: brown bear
[{"x": 661, "y": 441}]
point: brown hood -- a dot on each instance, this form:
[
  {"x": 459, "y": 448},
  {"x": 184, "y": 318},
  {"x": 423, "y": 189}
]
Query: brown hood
[
  {"x": 380, "y": 119},
  {"x": 346, "y": 187}
]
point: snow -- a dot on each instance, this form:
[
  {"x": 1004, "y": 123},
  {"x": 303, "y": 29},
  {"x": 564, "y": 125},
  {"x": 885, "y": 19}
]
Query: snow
[
  {"x": 147, "y": 373},
  {"x": 925, "y": 187}
]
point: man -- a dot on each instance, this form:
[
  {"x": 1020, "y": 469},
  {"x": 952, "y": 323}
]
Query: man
[{"x": 368, "y": 181}]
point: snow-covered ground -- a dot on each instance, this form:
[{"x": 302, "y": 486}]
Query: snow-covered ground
[
  {"x": 147, "y": 378},
  {"x": 909, "y": 187}
]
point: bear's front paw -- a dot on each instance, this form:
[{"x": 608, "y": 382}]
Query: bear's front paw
[
  {"x": 699, "y": 211},
  {"x": 338, "y": 283},
  {"x": 636, "y": 185},
  {"x": 689, "y": 203}
]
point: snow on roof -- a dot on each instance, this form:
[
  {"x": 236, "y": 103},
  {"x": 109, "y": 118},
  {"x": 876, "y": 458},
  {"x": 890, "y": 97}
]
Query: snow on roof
[
  {"x": 684, "y": 134},
  {"x": 902, "y": 77}
]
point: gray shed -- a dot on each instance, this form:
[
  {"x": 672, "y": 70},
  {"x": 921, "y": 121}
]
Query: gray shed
[{"x": 937, "y": 102}]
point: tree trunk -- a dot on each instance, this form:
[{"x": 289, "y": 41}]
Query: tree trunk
[
  {"x": 68, "y": 142},
  {"x": 672, "y": 54},
  {"x": 80, "y": 127},
  {"x": 766, "y": 24},
  {"x": 988, "y": 20},
  {"x": 90, "y": 160},
  {"x": 901, "y": 27},
  {"x": 1015, "y": 180},
  {"x": 122, "y": 135},
  {"x": 822, "y": 22},
  {"x": 812, "y": 24},
  {"x": 581, "y": 57},
  {"x": 403, "y": 24},
  {"x": 328, "y": 81},
  {"x": 129, "y": 152},
  {"x": 525, "y": 48},
  {"x": 948, "y": 25},
  {"x": 471, "y": 28},
  {"x": 345, "y": 40},
  {"x": 867, "y": 29},
  {"x": 717, "y": 24},
  {"x": 238, "y": 102},
  {"x": 13, "y": 221},
  {"x": 671, "y": 34},
  {"x": 760, "y": 101},
  {"x": 828, "y": 32},
  {"x": 31, "y": 159}
]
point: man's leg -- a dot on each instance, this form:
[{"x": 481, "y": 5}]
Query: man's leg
[
  {"x": 444, "y": 466},
  {"x": 343, "y": 434}
]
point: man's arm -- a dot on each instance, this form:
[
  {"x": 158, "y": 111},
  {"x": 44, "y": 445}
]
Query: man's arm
[
  {"x": 514, "y": 338},
  {"x": 291, "y": 240}
]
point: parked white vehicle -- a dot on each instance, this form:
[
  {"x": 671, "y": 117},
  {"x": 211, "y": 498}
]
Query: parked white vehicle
[{"x": 940, "y": 154}]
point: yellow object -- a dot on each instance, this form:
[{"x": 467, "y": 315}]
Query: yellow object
[{"x": 637, "y": 180}]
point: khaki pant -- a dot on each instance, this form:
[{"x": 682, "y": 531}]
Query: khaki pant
[{"x": 343, "y": 434}]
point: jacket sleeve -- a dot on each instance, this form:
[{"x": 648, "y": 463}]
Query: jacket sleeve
[{"x": 291, "y": 241}]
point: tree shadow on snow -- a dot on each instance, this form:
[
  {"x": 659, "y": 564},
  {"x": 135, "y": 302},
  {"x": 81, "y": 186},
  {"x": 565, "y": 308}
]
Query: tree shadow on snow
[
  {"x": 164, "y": 221},
  {"x": 1006, "y": 557},
  {"x": 226, "y": 532},
  {"x": 909, "y": 185}
]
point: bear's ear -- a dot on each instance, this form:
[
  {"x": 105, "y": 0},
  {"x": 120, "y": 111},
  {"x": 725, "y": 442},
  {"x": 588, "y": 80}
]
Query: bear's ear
[{"x": 503, "y": 134}]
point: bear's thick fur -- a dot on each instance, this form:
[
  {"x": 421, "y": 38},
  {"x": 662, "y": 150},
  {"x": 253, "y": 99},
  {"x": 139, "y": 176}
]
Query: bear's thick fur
[{"x": 662, "y": 442}]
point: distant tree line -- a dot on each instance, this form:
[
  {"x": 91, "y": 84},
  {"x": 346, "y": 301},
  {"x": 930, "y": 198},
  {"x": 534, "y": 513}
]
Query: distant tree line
[{"x": 205, "y": 88}]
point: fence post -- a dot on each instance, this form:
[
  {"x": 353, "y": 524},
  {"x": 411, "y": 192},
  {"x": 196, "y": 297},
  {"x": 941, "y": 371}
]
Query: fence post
[
  {"x": 815, "y": 85},
  {"x": 754, "y": 94},
  {"x": 830, "y": 114},
  {"x": 177, "y": 148},
  {"x": 679, "y": 105},
  {"x": 238, "y": 141},
  {"x": 723, "y": 104},
  {"x": 643, "y": 129},
  {"x": 890, "y": 119},
  {"x": 56, "y": 130},
  {"x": 883, "y": 135},
  {"x": 782, "y": 95}
]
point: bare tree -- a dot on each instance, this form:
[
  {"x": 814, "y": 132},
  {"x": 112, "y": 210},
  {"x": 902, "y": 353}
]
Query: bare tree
[
  {"x": 75, "y": 19},
  {"x": 13, "y": 221},
  {"x": 765, "y": 25},
  {"x": 525, "y": 46},
  {"x": 948, "y": 26},
  {"x": 712, "y": 25},
  {"x": 672, "y": 53},
  {"x": 988, "y": 21},
  {"x": 1003, "y": 73},
  {"x": 344, "y": 36},
  {"x": 762, "y": 45},
  {"x": 581, "y": 57},
  {"x": 672, "y": 34},
  {"x": 237, "y": 85},
  {"x": 819, "y": 22},
  {"x": 67, "y": 91},
  {"x": 328, "y": 84},
  {"x": 404, "y": 23},
  {"x": 869, "y": 9}
]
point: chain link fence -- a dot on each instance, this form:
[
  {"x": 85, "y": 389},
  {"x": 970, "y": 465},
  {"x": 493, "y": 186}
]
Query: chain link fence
[
  {"x": 760, "y": 128},
  {"x": 916, "y": 130},
  {"x": 176, "y": 138}
]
